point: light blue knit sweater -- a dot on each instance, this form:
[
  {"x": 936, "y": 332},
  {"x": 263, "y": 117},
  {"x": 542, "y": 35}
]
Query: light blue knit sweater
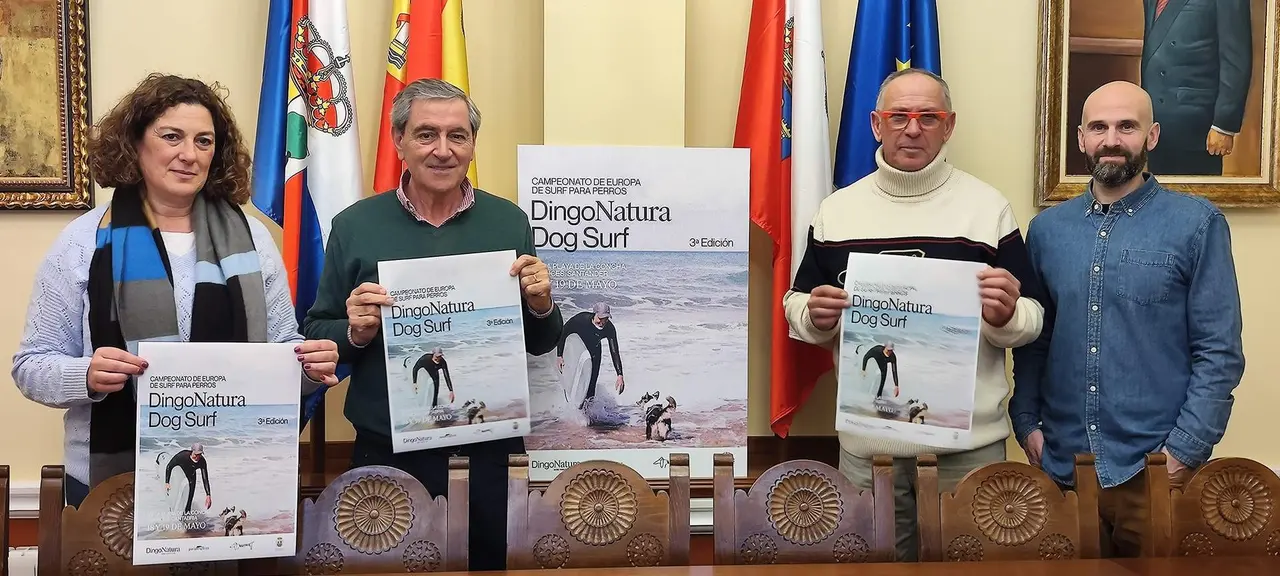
[{"x": 52, "y": 362}]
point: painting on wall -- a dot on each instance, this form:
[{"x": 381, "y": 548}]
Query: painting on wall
[
  {"x": 44, "y": 104},
  {"x": 1211, "y": 69}
]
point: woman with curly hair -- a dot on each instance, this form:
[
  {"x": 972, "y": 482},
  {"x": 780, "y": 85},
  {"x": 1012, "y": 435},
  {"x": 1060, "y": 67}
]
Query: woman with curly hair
[{"x": 171, "y": 257}]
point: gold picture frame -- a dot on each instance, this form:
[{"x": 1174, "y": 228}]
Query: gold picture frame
[
  {"x": 1086, "y": 43},
  {"x": 44, "y": 48}
]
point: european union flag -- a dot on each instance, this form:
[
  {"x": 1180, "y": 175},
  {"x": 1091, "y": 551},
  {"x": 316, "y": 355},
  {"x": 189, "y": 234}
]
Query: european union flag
[{"x": 888, "y": 35}]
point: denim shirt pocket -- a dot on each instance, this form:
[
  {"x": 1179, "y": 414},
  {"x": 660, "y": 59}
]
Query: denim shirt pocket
[{"x": 1145, "y": 276}]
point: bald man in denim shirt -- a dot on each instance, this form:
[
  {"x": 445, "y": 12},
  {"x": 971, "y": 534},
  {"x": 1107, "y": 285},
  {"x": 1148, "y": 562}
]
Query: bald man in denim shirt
[{"x": 1141, "y": 346}]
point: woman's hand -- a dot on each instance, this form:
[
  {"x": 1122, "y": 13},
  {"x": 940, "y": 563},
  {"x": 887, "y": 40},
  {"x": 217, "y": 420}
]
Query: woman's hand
[
  {"x": 319, "y": 360},
  {"x": 110, "y": 368}
]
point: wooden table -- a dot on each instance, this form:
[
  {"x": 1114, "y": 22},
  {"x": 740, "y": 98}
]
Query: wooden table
[{"x": 1120, "y": 567}]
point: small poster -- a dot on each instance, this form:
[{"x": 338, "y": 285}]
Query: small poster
[
  {"x": 647, "y": 250},
  {"x": 217, "y": 452},
  {"x": 456, "y": 369},
  {"x": 909, "y": 349}
]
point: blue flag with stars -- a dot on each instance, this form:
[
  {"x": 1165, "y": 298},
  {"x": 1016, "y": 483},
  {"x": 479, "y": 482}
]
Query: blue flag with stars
[{"x": 888, "y": 35}]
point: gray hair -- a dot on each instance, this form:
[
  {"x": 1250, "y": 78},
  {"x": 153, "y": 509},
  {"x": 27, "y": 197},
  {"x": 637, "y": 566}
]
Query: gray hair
[
  {"x": 946, "y": 90},
  {"x": 429, "y": 89}
]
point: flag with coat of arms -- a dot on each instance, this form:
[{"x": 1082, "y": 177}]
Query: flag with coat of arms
[
  {"x": 306, "y": 161},
  {"x": 782, "y": 118}
]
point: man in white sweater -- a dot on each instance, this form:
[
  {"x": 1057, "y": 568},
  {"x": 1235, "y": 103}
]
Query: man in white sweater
[{"x": 916, "y": 204}]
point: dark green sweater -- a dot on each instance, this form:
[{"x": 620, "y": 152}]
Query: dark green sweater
[{"x": 379, "y": 228}]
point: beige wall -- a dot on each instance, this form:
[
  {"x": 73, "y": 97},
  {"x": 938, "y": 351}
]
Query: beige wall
[{"x": 994, "y": 88}]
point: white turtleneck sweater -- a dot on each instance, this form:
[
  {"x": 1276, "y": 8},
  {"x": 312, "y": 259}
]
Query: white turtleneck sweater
[{"x": 939, "y": 211}]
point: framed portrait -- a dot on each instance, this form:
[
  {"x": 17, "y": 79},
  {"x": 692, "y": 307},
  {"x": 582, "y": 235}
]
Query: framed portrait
[
  {"x": 1210, "y": 68},
  {"x": 44, "y": 104}
]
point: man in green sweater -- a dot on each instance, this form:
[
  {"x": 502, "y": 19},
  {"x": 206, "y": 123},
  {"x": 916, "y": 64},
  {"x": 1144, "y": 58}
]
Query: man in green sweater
[{"x": 434, "y": 212}]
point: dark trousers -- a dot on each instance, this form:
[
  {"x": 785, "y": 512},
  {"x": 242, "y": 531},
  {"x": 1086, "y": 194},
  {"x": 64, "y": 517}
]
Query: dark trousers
[
  {"x": 488, "y": 483},
  {"x": 884, "y": 373},
  {"x": 191, "y": 489},
  {"x": 952, "y": 468},
  {"x": 596, "y": 357},
  {"x": 435, "y": 388},
  {"x": 1125, "y": 514},
  {"x": 75, "y": 491}
]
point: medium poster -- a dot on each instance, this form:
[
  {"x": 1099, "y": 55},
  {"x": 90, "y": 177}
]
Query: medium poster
[
  {"x": 647, "y": 249},
  {"x": 909, "y": 349},
  {"x": 456, "y": 370},
  {"x": 217, "y": 452}
]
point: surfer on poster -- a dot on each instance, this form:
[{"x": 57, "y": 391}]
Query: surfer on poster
[
  {"x": 190, "y": 462},
  {"x": 435, "y": 365},
  {"x": 589, "y": 328}
]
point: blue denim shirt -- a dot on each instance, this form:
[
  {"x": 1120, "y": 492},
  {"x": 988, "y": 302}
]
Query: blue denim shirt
[{"x": 1141, "y": 345}]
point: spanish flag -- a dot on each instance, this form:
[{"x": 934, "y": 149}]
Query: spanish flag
[{"x": 427, "y": 41}]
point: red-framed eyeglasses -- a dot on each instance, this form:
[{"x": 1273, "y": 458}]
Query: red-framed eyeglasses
[{"x": 898, "y": 119}]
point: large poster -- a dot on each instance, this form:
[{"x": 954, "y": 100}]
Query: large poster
[{"x": 647, "y": 248}]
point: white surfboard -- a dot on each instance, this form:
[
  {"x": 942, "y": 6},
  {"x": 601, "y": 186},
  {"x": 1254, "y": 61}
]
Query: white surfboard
[
  {"x": 419, "y": 390},
  {"x": 425, "y": 388},
  {"x": 176, "y": 499},
  {"x": 576, "y": 376}
]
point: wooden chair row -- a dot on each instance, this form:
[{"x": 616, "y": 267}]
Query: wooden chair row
[
  {"x": 1001, "y": 511},
  {"x": 604, "y": 514}
]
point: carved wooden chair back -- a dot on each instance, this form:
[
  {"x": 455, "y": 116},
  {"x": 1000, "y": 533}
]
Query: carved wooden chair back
[
  {"x": 597, "y": 514},
  {"x": 378, "y": 519},
  {"x": 803, "y": 512},
  {"x": 97, "y": 537},
  {"x": 1227, "y": 508},
  {"x": 1007, "y": 511}
]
